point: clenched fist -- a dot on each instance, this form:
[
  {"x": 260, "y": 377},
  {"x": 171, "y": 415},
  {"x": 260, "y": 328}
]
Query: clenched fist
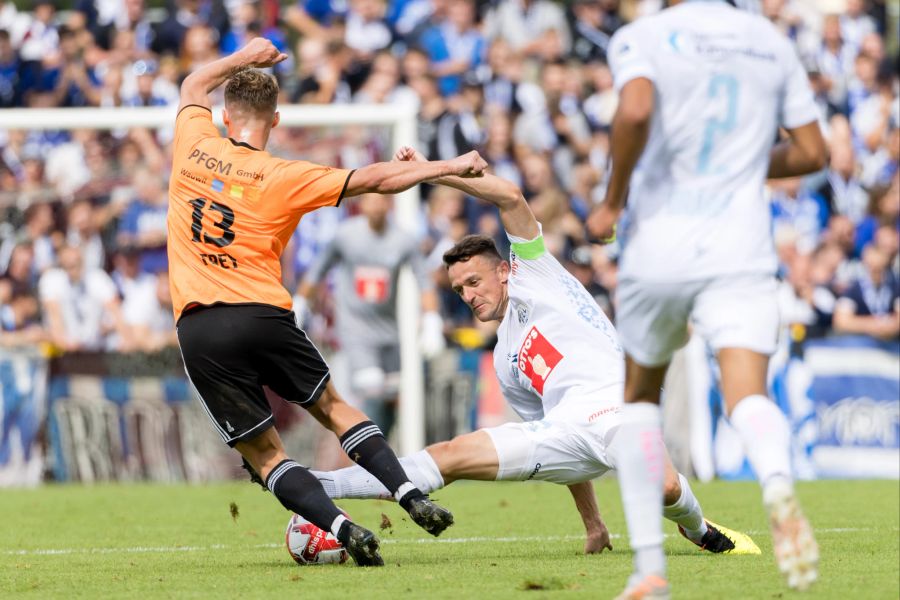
[
  {"x": 468, "y": 165},
  {"x": 260, "y": 53}
]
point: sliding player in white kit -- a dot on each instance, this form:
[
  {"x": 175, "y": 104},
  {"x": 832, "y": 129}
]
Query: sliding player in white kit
[
  {"x": 703, "y": 89},
  {"x": 560, "y": 367}
]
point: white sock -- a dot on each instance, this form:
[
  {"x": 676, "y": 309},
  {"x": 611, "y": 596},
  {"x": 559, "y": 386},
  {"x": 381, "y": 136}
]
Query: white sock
[
  {"x": 686, "y": 512},
  {"x": 766, "y": 435},
  {"x": 638, "y": 451},
  {"x": 356, "y": 482},
  {"x": 336, "y": 524}
]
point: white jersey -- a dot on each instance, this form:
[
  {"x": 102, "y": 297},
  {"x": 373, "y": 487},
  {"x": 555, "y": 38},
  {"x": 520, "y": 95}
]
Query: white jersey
[
  {"x": 554, "y": 345},
  {"x": 725, "y": 80}
]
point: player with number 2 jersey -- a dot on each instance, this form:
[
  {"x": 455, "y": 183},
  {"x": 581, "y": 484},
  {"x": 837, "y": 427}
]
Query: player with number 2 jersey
[{"x": 703, "y": 90}]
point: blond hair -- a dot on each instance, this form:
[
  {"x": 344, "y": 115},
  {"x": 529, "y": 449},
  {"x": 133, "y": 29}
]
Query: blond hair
[{"x": 253, "y": 91}]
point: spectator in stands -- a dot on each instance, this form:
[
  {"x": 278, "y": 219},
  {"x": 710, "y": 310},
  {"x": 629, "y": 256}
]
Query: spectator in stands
[
  {"x": 129, "y": 15},
  {"x": 39, "y": 38},
  {"x": 365, "y": 34},
  {"x": 593, "y": 23},
  {"x": 454, "y": 46},
  {"x": 82, "y": 232},
  {"x": 798, "y": 210},
  {"x": 874, "y": 115},
  {"x": 10, "y": 81},
  {"x": 535, "y": 28},
  {"x": 871, "y": 306},
  {"x": 150, "y": 90},
  {"x": 885, "y": 211},
  {"x": 834, "y": 60},
  {"x": 185, "y": 14},
  {"x": 80, "y": 306},
  {"x": 67, "y": 79},
  {"x": 37, "y": 233},
  {"x": 855, "y": 23},
  {"x": 19, "y": 318},
  {"x": 842, "y": 190},
  {"x": 497, "y": 148},
  {"x": 505, "y": 73},
  {"x": 143, "y": 224},
  {"x": 319, "y": 72},
  {"x": 322, "y": 19},
  {"x": 147, "y": 316},
  {"x": 20, "y": 275}
]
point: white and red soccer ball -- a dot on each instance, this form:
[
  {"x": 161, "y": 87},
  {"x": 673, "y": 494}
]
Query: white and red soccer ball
[{"x": 312, "y": 545}]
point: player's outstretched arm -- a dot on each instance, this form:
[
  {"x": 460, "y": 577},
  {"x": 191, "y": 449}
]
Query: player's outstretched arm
[
  {"x": 515, "y": 214},
  {"x": 630, "y": 130},
  {"x": 259, "y": 52},
  {"x": 392, "y": 177},
  {"x": 586, "y": 501},
  {"x": 803, "y": 152}
]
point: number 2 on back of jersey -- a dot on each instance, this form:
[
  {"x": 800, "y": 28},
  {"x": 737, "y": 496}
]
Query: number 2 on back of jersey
[
  {"x": 197, "y": 234},
  {"x": 724, "y": 87}
]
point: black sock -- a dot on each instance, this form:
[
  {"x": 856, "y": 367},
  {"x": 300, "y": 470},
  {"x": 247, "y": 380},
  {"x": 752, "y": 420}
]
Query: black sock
[
  {"x": 365, "y": 445},
  {"x": 298, "y": 490}
]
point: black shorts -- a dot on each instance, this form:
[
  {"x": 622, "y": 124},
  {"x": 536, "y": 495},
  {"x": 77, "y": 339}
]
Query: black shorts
[{"x": 231, "y": 351}]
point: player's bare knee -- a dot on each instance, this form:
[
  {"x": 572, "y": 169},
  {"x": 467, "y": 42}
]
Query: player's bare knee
[{"x": 442, "y": 454}]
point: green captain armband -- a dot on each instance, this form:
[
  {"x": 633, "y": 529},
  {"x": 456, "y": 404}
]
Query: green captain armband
[{"x": 530, "y": 250}]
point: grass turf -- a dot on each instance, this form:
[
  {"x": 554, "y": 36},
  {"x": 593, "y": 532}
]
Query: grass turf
[{"x": 510, "y": 540}]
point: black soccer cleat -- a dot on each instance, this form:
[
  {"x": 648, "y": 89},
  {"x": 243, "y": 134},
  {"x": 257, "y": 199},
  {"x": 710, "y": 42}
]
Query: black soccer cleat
[
  {"x": 429, "y": 516},
  {"x": 714, "y": 540},
  {"x": 362, "y": 545}
]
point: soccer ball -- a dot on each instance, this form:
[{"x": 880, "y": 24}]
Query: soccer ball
[{"x": 312, "y": 545}]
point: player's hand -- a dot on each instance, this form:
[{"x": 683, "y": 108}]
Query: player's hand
[
  {"x": 601, "y": 223},
  {"x": 409, "y": 154},
  {"x": 260, "y": 52},
  {"x": 469, "y": 165},
  {"x": 597, "y": 540}
]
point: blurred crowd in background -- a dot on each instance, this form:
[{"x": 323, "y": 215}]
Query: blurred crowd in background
[{"x": 82, "y": 240}]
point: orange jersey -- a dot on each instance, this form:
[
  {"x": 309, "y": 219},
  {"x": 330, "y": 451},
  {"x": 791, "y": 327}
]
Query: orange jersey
[{"x": 232, "y": 210}]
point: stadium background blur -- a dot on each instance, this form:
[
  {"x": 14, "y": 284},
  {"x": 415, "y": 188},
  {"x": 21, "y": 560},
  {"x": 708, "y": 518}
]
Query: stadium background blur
[{"x": 91, "y": 379}]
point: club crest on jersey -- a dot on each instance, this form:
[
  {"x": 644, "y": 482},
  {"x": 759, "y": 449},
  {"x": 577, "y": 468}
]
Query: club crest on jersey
[
  {"x": 537, "y": 359},
  {"x": 522, "y": 314}
]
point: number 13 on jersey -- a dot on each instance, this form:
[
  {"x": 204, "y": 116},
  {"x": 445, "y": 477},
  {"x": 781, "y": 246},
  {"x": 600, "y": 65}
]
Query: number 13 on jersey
[{"x": 222, "y": 259}]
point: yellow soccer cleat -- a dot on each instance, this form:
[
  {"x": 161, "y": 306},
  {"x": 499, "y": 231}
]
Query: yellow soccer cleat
[{"x": 721, "y": 540}]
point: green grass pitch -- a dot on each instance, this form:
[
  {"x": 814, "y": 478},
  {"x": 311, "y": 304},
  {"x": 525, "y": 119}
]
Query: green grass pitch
[{"x": 510, "y": 540}]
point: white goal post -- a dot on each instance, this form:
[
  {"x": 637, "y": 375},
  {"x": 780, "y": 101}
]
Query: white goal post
[{"x": 402, "y": 123}]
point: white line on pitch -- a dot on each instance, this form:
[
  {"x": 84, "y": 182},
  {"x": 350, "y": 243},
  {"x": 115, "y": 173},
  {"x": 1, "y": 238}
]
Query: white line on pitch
[{"x": 462, "y": 540}]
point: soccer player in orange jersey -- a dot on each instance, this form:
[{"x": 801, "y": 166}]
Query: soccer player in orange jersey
[{"x": 232, "y": 209}]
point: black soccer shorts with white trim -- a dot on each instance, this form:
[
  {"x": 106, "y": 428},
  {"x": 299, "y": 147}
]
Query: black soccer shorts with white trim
[{"x": 231, "y": 351}]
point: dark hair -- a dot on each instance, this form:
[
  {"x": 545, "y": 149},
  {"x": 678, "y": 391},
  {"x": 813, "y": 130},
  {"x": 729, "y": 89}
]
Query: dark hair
[
  {"x": 469, "y": 246},
  {"x": 252, "y": 90}
]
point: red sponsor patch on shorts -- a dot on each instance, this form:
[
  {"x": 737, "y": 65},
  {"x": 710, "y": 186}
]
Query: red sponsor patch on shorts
[{"x": 538, "y": 358}]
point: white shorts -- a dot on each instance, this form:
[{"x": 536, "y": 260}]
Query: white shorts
[
  {"x": 569, "y": 446},
  {"x": 728, "y": 312}
]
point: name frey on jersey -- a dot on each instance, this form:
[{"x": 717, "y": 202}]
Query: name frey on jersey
[{"x": 210, "y": 162}]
